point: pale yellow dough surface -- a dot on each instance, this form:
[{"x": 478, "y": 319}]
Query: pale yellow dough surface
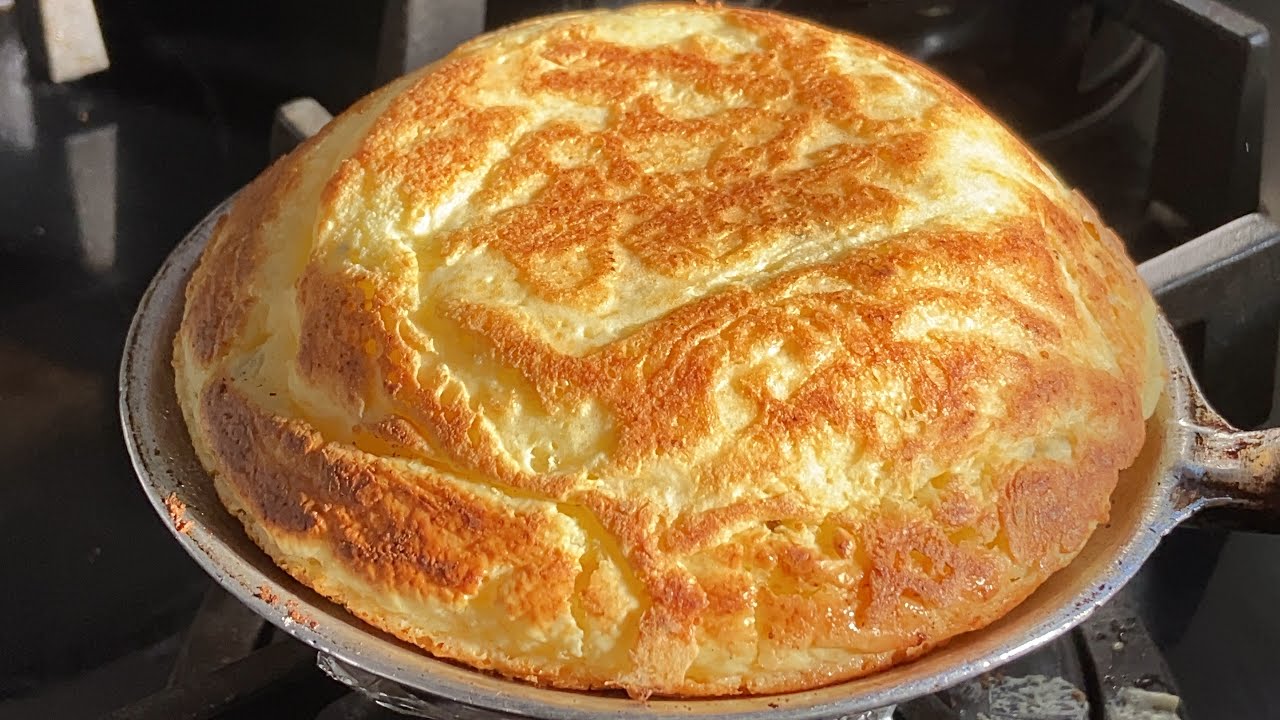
[{"x": 679, "y": 349}]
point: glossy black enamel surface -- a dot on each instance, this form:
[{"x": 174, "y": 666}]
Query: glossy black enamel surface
[{"x": 95, "y": 188}]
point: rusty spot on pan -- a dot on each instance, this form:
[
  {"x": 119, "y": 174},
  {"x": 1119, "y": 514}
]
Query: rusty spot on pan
[
  {"x": 177, "y": 513},
  {"x": 298, "y": 616},
  {"x": 266, "y": 595}
]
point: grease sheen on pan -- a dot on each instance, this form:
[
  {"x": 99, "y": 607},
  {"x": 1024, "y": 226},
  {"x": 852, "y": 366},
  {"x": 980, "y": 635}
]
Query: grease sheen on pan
[{"x": 678, "y": 349}]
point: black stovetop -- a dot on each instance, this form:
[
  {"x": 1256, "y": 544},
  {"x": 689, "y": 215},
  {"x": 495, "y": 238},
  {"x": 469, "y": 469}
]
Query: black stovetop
[{"x": 101, "y": 177}]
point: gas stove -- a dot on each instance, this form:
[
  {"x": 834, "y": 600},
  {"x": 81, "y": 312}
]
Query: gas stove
[{"x": 1154, "y": 108}]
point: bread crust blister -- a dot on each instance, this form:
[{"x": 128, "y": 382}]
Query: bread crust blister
[{"x": 686, "y": 350}]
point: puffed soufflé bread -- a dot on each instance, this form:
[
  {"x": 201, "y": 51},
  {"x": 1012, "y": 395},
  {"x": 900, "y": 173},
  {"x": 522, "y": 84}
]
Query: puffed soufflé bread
[{"x": 680, "y": 349}]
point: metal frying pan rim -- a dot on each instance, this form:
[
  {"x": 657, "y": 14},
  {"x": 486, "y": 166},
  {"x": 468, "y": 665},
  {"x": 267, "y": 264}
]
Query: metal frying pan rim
[{"x": 160, "y": 450}]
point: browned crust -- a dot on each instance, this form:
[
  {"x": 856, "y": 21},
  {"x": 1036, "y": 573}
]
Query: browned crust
[
  {"x": 219, "y": 295},
  {"x": 968, "y": 385}
]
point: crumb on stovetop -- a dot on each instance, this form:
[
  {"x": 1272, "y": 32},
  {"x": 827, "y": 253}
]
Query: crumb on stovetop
[{"x": 265, "y": 594}]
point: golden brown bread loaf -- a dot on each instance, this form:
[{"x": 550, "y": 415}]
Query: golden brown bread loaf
[{"x": 679, "y": 349}]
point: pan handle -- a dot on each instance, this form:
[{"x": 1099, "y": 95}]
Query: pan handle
[
  {"x": 1233, "y": 476},
  {"x": 1230, "y": 477}
]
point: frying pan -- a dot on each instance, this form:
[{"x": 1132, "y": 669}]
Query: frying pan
[{"x": 1192, "y": 461}]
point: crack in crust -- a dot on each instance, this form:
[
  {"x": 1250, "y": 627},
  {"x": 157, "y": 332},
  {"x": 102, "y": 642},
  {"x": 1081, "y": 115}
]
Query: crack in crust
[{"x": 680, "y": 349}]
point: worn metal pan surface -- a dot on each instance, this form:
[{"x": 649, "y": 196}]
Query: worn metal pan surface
[{"x": 1192, "y": 461}]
